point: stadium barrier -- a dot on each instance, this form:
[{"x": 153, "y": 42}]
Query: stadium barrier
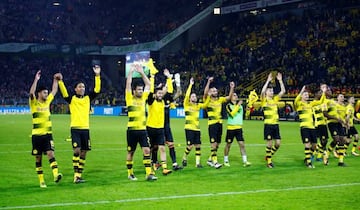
[{"x": 14, "y": 110}]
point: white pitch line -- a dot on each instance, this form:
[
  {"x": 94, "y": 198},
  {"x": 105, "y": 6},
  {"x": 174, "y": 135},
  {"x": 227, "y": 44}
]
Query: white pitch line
[{"x": 182, "y": 196}]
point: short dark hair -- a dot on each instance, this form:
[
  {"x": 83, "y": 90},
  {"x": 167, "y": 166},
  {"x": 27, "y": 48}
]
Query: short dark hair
[
  {"x": 137, "y": 84},
  {"x": 78, "y": 82},
  {"x": 158, "y": 89},
  {"x": 40, "y": 88}
]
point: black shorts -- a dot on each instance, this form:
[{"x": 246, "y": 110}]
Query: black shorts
[
  {"x": 192, "y": 137},
  {"x": 322, "y": 132},
  {"x": 352, "y": 132},
  {"x": 271, "y": 132},
  {"x": 215, "y": 132},
  {"x": 308, "y": 135},
  {"x": 41, "y": 144},
  {"x": 156, "y": 136},
  {"x": 237, "y": 133},
  {"x": 133, "y": 137},
  {"x": 168, "y": 134},
  {"x": 80, "y": 139},
  {"x": 336, "y": 129}
]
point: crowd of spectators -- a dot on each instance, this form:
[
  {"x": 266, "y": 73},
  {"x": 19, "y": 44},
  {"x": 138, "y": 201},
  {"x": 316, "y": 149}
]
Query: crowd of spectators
[
  {"x": 320, "y": 45},
  {"x": 110, "y": 22},
  {"x": 18, "y": 73}
]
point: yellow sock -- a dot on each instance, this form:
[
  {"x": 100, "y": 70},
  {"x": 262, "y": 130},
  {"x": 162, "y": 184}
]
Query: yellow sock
[
  {"x": 163, "y": 165},
  {"x": 54, "y": 167},
  {"x": 41, "y": 178}
]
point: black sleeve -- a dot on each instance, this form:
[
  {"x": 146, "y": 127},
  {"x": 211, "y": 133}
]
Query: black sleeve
[
  {"x": 93, "y": 95},
  {"x": 168, "y": 97},
  {"x": 68, "y": 99},
  {"x": 150, "y": 99}
]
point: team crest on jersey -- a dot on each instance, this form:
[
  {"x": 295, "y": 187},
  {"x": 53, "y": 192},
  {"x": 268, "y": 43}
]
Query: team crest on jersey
[
  {"x": 188, "y": 142},
  {"x": 129, "y": 148},
  {"x": 269, "y": 137},
  {"x": 75, "y": 144},
  {"x": 212, "y": 140},
  {"x": 335, "y": 133},
  {"x": 35, "y": 152},
  {"x": 306, "y": 140}
]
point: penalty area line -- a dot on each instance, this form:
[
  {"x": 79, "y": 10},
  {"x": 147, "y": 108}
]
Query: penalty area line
[{"x": 181, "y": 196}]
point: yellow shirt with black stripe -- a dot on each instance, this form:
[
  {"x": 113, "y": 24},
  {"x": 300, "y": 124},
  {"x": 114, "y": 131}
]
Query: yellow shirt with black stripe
[
  {"x": 136, "y": 111},
  {"x": 41, "y": 115},
  {"x": 192, "y": 111},
  {"x": 350, "y": 111},
  {"x": 331, "y": 109},
  {"x": 320, "y": 119},
  {"x": 341, "y": 108},
  {"x": 214, "y": 110},
  {"x": 305, "y": 112},
  {"x": 270, "y": 107}
]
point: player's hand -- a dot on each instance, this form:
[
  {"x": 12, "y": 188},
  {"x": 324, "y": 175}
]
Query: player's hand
[
  {"x": 191, "y": 81},
  {"x": 97, "y": 69},
  {"x": 323, "y": 88},
  {"x": 58, "y": 76},
  {"x": 167, "y": 73},
  {"x": 270, "y": 77},
  {"x": 279, "y": 76},
  {"x": 38, "y": 75},
  {"x": 232, "y": 84},
  {"x": 303, "y": 89},
  {"x": 210, "y": 79}
]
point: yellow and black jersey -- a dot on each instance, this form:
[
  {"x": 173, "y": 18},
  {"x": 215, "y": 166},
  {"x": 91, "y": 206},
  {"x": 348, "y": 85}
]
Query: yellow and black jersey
[
  {"x": 41, "y": 115},
  {"x": 136, "y": 111},
  {"x": 341, "y": 109},
  {"x": 305, "y": 112},
  {"x": 192, "y": 111},
  {"x": 350, "y": 111},
  {"x": 331, "y": 108},
  {"x": 80, "y": 105},
  {"x": 214, "y": 110},
  {"x": 270, "y": 107},
  {"x": 320, "y": 119}
]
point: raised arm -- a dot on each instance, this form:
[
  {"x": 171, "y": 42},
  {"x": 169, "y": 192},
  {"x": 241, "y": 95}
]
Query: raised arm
[
  {"x": 34, "y": 85},
  {"x": 231, "y": 92},
  {"x": 63, "y": 90},
  {"x": 207, "y": 86},
  {"x": 268, "y": 80},
  {"x": 97, "y": 70},
  {"x": 282, "y": 86},
  {"x": 298, "y": 98},
  {"x": 55, "y": 85},
  {"x": 129, "y": 79},
  {"x": 169, "y": 85},
  {"x": 145, "y": 79},
  {"x": 178, "y": 86},
  {"x": 188, "y": 91}
]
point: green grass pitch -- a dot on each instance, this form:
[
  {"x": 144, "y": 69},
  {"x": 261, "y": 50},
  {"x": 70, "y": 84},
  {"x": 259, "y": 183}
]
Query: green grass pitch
[{"x": 290, "y": 185}]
